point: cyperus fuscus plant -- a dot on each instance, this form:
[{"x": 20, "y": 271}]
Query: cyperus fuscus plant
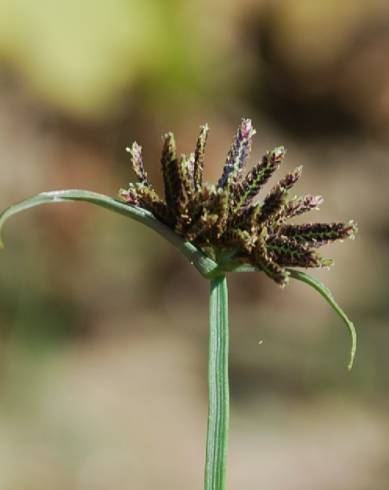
[{"x": 223, "y": 228}]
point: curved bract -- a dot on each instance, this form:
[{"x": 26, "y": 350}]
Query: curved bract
[
  {"x": 327, "y": 295},
  {"x": 203, "y": 264},
  {"x": 322, "y": 290},
  {"x": 207, "y": 267}
]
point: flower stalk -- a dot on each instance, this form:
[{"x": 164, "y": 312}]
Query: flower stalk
[{"x": 218, "y": 388}]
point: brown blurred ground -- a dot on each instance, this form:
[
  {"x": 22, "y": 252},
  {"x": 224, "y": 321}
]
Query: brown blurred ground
[{"x": 104, "y": 328}]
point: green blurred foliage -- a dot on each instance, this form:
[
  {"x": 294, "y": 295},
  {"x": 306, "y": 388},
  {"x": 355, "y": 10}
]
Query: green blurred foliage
[{"x": 81, "y": 57}]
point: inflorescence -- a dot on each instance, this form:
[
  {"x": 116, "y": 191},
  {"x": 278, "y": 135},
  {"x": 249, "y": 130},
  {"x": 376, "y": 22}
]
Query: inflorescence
[{"x": 224, "y": 217}]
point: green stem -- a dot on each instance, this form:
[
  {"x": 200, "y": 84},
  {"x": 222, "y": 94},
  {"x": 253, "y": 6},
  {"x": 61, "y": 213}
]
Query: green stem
[{"x": 218, "y": 391}]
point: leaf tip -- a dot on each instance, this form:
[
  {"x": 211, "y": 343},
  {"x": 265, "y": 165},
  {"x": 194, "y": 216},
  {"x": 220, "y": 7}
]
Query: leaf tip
[
  {"x": 326, "y": 293},
  {"x": 353, "y": 346}
]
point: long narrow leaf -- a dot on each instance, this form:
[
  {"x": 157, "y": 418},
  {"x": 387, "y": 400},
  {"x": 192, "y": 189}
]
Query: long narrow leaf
[
  {"x": 203, "y": 264},
  {"x": 327, "y": 295}
]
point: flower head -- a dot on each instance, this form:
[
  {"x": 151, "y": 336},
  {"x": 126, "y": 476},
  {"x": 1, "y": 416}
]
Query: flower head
[{"x": 228, "y": 216}]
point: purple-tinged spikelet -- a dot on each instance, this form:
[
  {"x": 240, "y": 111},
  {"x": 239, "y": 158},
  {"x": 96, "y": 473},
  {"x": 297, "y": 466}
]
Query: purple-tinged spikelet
[
  {"x": 238, "y": 154},
  {"x": 129, "y": 196},
  {"x": 302, "y": 205},
  {"x": 136, "y": 162}
]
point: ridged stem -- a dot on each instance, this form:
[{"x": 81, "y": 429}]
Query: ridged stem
[{"x": 218, "y": 390}]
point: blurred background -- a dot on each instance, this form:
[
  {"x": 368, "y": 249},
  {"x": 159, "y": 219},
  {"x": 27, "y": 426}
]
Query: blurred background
[{"x": 103, "y": 340}]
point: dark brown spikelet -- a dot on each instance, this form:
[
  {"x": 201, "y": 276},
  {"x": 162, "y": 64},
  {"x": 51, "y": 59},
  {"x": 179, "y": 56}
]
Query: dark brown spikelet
[
  {"x": 220, "y": 207},
  {"x": 202, "y": 226},
  {"x": 248, "y": 219},
  {"x": 290, "y": 253},
  {"x": 277, "y": 197},
  {"x": 170, "y": 171},
  {"x": 264, "y": 261},
  {"x": 186, "y": 174},
  {"x": 198, "y": 169},
  {"x": 258, "y": 176},
  {"x": 204, "y": 198},
  {"x": 225, "y": 218},
  {"x": 243, "y": 240},
  {"x": 149, "y": 199},
  {"x": 184, "y": 191},
  {"x": 272, "y": 204},
  {"x": 318, "y": 234}
]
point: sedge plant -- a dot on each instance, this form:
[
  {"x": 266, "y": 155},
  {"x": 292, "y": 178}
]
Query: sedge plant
[{"x": 223, "y": 228}]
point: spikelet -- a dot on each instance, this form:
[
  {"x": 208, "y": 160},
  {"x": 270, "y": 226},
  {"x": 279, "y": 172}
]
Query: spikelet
[
  {"x": 198, "y": 169},
  {"x": 302, "y": 205},
  {"x": 277, "y": 197},
  {"x": 149, "y": 199},
  {"x": 241, "y": 239},
  {"x": 170, "y": 172},
  {"x": 203, "y": 226},
  {"x": 238, "y": 154},
  {"x": 257, "y": 177},
  {"x": 136, "y": 162},
  {"x": 262, "y": 258},
  {"x": 290, "y": 253},
  {"x": 318, "y": 234},
  {"x": 129, "y": 196}
]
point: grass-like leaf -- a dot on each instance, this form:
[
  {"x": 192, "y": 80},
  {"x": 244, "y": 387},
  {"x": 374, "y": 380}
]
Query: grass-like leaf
[
  {"x": 327, "y": 295},
  {"x": 206, "y": 266}
]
